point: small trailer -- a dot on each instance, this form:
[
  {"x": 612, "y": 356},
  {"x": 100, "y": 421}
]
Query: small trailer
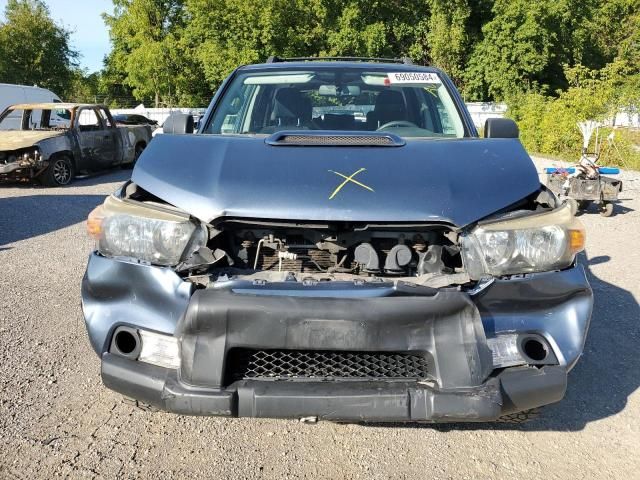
[{"x": 585, "y": 182}]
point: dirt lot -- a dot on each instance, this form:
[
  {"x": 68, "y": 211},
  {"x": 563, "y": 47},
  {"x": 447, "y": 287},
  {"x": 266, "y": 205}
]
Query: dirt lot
[{"x": 56, "y": 419}]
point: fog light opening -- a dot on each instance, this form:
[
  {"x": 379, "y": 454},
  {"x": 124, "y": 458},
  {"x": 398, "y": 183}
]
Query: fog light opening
[
  {"x": 535, "y": 349},
  {"x": 126, "y": 342}
]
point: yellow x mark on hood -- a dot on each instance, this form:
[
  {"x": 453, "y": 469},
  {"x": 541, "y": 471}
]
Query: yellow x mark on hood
[{"x": 348, "y": 179}]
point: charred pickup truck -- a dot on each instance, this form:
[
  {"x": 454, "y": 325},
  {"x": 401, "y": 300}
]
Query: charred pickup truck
[
  {"x": 51, "y": 142},
  {"x": 336, "y": 242}
]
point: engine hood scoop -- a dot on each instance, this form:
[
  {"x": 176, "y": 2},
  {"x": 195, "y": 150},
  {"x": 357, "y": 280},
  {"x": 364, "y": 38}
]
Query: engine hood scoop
[
  {"x": 330, "y": 138},
  {"x": 457, "y": 181}
]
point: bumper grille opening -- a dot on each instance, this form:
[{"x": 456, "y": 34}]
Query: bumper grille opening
[{"x": 245, "y": 364}]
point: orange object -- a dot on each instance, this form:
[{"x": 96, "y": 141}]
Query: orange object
[
  {"x": 94, "y": 222},
  {"x": 576, "y": 240}
]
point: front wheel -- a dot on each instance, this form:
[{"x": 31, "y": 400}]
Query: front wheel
[{"x": 59, "y": 173}]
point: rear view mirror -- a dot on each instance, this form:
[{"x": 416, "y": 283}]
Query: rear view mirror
[
  {"x": 339, "y": 91},
  {"x": 178, "y": 124},
  {"x": 500, "y": 128}
]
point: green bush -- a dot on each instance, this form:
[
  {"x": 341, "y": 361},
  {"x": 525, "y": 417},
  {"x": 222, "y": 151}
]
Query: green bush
[{"x": 548, "y": 125}]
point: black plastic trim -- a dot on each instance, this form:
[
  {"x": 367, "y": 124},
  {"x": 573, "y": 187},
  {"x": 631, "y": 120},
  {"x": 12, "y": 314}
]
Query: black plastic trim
[
  {"x": 368, "y": 139},
  {"x": 514, "y": 390}
]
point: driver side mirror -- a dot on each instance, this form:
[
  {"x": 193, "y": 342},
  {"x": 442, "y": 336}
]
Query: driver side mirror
[
  {"x": 178, "y": 124},
  {"x": 500, "y": 128}
]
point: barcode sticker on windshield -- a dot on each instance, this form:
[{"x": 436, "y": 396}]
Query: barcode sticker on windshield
[{"x": 414, "y": 77}]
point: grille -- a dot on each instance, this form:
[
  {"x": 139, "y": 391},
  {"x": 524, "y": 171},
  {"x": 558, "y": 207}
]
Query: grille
[
  {"x": 318, "y": 364},
  {"x": 364, "y": 140}
]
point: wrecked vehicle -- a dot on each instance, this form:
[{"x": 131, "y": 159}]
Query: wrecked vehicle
[
  {"x": 83, "y": 138},
  {"x": 336, "y": 242}
]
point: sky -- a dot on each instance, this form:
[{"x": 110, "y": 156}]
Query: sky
[{"x": 89, "y": 34}]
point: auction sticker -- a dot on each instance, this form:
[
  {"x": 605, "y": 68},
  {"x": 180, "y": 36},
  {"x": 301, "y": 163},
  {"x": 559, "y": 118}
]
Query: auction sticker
[{"x": 413, "y": 77}]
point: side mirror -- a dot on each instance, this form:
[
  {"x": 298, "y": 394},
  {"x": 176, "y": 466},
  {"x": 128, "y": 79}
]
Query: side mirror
[
  {"x": 178, "y": 123},
  {"x": 500, "y": 128}
]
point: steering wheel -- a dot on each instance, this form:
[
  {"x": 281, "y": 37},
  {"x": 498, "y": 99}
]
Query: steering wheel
[{"x": 397, "y": 124}]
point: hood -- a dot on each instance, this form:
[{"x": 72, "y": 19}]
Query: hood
[
  {"x": 17, "y": 139},
  {"x": 458, "y": 181}
]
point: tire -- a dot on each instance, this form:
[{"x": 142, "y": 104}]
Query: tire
[
  {"x": 59, "y": 173},
  {"x": 606, "y": 209},
  {"x": 520, "y": 417}
]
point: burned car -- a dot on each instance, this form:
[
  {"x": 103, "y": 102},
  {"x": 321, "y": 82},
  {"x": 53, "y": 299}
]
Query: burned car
[
  {"x": 336, "y": 242},
  {"x": 51, "y": 142}
]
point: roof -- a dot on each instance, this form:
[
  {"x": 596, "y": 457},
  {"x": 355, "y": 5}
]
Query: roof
[
  {"x": 51, "y": 106},
  {"x": 316, "y": 64}
]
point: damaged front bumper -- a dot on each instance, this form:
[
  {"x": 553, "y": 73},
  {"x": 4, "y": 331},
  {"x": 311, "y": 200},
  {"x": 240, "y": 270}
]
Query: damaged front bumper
[
  {"x": 7, "y": 168},
  {"x": 247, "y": 350},
  {"x": 22, "y": 169}
]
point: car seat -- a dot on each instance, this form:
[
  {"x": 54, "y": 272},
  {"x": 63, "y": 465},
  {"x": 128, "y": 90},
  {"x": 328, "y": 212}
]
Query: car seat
[
  {"x": 389, "y": 107},
  {"x": 291, "y": 108}
]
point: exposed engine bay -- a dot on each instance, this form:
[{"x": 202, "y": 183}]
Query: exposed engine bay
[
  {"x": 274, "y": 251},
  {"x": 25, "y": 156},
  {"x": 326, "y": 252}
]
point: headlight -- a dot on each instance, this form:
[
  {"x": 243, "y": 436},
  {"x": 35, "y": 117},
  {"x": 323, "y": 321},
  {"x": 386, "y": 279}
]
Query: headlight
[
  {"x": 531, "y": 243},
  {"x": 154, "y": 235}
]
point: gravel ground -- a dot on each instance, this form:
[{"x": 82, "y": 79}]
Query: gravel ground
[{"x": 56, "y": 418}]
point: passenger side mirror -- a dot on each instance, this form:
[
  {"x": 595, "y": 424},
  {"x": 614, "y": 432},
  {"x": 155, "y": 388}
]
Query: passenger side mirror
[
  {"x": 500, "y": 128},
  {"x": 178, "y": 124}
]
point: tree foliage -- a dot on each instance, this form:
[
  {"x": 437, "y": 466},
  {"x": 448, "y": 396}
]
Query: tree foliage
[
  {"x": 34, "y": 49},
  {"x": 448, "y": 38},
  {"x": 168, "y": 52},
  {"x": 146, "y": 39},
  {"x": 493, "y": 49},
  {"x": 548, "y": 124}
]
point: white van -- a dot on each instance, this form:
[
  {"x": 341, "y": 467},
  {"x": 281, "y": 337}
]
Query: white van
[{"x": 13, "y": 94}]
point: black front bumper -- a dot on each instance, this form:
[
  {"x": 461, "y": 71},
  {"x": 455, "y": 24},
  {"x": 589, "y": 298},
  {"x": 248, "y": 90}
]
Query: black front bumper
[
  {"x": 444, "y": 327},
  {"x": 448, "y": 328},
  {"x": 513, "y": 390}
]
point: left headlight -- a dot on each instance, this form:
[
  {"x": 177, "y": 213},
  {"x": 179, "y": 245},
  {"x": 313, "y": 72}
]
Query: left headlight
[
  {"x": 154, "y": 235},
  {"x": 530, "y": 243}
]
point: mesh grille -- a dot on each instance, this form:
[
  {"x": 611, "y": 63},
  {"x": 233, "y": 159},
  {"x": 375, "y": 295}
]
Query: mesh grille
[
  {"x": 316, "y": 364},
  {"x": 336, "y": 140}
]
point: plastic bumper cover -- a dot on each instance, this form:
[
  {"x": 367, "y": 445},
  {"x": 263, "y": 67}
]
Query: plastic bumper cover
[
  {"x": 515, "y": 389},
  {"x": 449, "y": 327}
]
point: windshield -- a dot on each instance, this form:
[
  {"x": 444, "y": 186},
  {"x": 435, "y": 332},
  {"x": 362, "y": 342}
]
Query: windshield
[{"x": 409, "y": 104}]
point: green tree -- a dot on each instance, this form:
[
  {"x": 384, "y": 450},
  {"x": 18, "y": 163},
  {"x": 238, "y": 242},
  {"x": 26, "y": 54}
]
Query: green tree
[
  {"x": 34, "y": 49},
  {"x": 85, "y": 87},
  {"x": 228, "y": 33},
  {"x": 376, "y": 28},
  {"x": 149, "y": 51},
  {"x": 180, "y": 50},
  {"x": 526, "y": 44},
  {"x": 448, "y": 36}
]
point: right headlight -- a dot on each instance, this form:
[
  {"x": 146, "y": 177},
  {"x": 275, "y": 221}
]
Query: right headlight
[
  {"x": 134, "y": 230},
  {"x": 532, "y": 243}
]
